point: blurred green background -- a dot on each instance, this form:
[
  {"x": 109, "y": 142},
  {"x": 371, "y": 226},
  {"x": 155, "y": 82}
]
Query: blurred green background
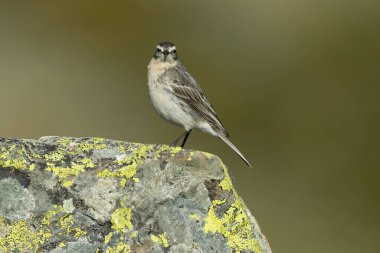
[{"x": 296, "y": 83}]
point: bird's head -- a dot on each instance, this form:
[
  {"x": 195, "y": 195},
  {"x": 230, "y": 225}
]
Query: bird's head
[{"x": 166, "y": 52}]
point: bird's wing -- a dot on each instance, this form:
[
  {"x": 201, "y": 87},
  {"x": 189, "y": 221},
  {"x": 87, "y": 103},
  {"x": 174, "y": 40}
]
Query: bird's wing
[{"x": 186, "y": 88}]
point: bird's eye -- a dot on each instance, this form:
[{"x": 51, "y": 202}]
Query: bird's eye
[
  {"x": 174, "y": 51},
  {"x": 158, "y": 50}
]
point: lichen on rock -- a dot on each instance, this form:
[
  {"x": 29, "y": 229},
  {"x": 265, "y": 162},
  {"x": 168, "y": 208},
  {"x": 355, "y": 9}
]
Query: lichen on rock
[{"x": 60, "y": 194}]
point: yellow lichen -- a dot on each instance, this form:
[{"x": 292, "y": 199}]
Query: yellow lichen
[
  {"x": 66, "y": 223},
  {"x": 121, "y": 247},
  {"x": 123, "y": 182},
  {"x": 121, "y": 223},
  {"x": 161, "y": 239},
  {"x": 64, "y": 141},
  {"x": 131, "y": 161},
  {"x": 122, "y": 149},
  {"x": 226, "y": 183},
  {"x": 191, "y": 154},
  {"x": 68, "y": 175},
  {"x": 55, "y": 156},
  {"x": 128, "y": 171},
  {"x": 196, "y": 247},
  {"x": 87, "y": 162},
  {"x": 208, "y": 155},
  {"x": 51, "y": 213},
  {"x": 172, "y": 150},
  {"x": 32, "y": 167},
  {"x": 194, "y": 216},
  {"x": 124, "y": 173},
  {"x": 121, "y": 219},
  {"x": 10, "y": 159},
  {"x": 58, "y": 219},
  {"x": 97, "y": 143},
  {"x": 20, "y": 236},
  {"x": 17, "y": 157},
  {"x": 139, "y": 152},
  {"x": 107, "y": 238},
  {"x": 234, "y": 223},
  {"x": 107, "y": 174}
]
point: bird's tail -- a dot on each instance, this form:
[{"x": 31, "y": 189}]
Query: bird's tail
[{"x": 229, "y": 143}]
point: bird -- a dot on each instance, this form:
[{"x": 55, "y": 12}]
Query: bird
[{"x": 178, "y": 98}]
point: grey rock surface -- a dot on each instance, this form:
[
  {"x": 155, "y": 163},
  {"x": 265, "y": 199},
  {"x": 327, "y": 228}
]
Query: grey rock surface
[{"x": 60, "y": 194}]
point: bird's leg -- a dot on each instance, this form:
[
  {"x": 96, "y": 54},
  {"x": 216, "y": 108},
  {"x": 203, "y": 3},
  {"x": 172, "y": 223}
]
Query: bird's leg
[
  {"x": 178, "y": 139},
  {"x": 185, "y": 139}
]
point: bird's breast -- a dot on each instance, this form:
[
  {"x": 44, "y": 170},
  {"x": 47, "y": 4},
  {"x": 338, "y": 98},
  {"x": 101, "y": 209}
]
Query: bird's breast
[{"x": 169, "y": 106}]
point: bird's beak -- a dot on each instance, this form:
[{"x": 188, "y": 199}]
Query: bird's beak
[{"x": 166, "y": 53}]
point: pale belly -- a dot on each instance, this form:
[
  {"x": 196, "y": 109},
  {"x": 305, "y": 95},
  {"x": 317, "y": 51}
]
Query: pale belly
[{"x": 170, "y": 108}]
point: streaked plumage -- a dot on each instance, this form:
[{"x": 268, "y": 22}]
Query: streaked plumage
[{"x": 178, "y": 98}]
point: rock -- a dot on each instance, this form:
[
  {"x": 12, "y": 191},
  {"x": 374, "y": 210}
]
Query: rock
[{"x": 96, "y": 195}]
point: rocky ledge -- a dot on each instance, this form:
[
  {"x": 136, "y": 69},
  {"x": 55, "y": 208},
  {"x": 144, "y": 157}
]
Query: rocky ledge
[{"x": 60, "y": 194}]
